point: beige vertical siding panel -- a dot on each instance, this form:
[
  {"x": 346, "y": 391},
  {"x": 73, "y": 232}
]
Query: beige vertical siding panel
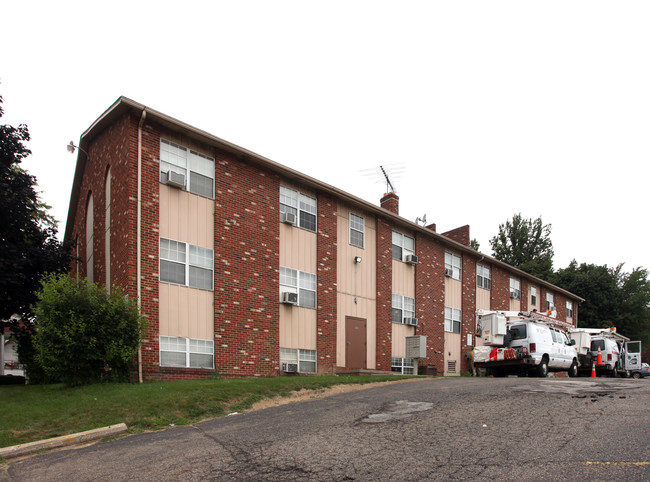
[
  {"x": 482, "y": 299},
  {"x": 363, "y": 308},
  {"x": 298, "y": 328},
  {"x": 452, "y": 345},
  {"x": 453, "y": 293},
  {"x": 403, "y": 279},
  {"x": 515, "y": 305},
  {"x": 400, "y": 332}
]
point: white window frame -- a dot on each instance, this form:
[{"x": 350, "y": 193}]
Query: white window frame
[
  {"x": 301, "y": 205},
  {"x": 357, "y": 225},
  {"x": 406, "y": 366},
  {"x": 305, "y": 359},
  {"x": 550, "y": 301},
  {"x": 299, "y": 282},
  {"x": 483, "y": 277},
  {"x": 185, "y": 161},
  {"x": 454, "y": 263},
  {"x": 401, "y": 243},
  {"x": 515, "y": 288},
  {"x": 188, "y": 260},
  {"x": 533, "y": 295},
  {"x": 453, "y": 320},
  {"x": 569, "y": 309},
  {"x": 188, "y": 346},
  {"x": 405, "y": 305}
]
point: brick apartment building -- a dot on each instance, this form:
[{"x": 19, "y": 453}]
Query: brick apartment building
[{"x": 242, "y": 265}]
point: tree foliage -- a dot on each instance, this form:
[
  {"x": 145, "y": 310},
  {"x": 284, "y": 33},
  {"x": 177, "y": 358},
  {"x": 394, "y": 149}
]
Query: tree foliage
[
  {"x": 526, "y": 245},
  {"x": 83, "y": 334},
  {"x": 612, "y": 297},
  {"x": 28, "y": 244}
]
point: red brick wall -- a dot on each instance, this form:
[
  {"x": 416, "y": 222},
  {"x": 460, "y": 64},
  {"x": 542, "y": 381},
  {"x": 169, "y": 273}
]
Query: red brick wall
[
  {"x": 384, "y": 294},
  {"x": 460, "y": 235},
  {"x": 326, "y": 255},
  {"x": 430, "y": 298},
  {"x": 247, "y": 247},
  {"x": 500, "y": 292},
  {"x": 468, "y": 316}
]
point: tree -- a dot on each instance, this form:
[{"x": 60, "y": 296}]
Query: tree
[
  {"x": 525, "y": 244},
  {"x": 28, "y": 244},
  {"x": 83, "y": 334},
  {"x": 612, "y": 297}
]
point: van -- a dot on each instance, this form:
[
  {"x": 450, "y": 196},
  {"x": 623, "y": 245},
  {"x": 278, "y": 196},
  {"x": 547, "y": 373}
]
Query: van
[
  {"x": 609, "y": 351},
  {"x": 549, "y": 348}
]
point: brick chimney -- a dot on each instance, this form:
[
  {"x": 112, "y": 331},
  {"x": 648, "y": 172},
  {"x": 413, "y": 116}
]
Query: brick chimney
[
  {"x": 460, "y": 235},
  {"x": 390, "y": 202}
]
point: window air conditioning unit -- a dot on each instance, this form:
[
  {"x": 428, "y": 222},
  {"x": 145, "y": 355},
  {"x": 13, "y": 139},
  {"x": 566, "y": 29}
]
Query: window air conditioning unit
[
  {"x": 290, "y": 298},
  {"x": 175, "y": 179},
  {"x": 449, "y": 272},
  {"x": 411, "y": 321},
  {"x": 411, "y": 259},
  {"x": 288, "y": 218},
  {"x": 289, "y": 367},
  {"x": 514, "y": 295}
]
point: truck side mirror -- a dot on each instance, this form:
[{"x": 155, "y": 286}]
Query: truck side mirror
[{"x": 572, "y": 342}]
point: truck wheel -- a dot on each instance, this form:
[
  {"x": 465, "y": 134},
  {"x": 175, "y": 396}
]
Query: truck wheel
[
  {"x": 636, "y": 375},
  {"x": 542, "y": 368},
  {"x": 573, "y": 369}
]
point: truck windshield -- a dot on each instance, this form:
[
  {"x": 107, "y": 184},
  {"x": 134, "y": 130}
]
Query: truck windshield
[
  {"x": 596, "y": 344},
  {"x": 518, "y": 332}
]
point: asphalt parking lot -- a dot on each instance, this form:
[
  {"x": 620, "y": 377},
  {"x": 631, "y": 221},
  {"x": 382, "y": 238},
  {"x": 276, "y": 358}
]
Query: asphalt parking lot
[{"x": 429, "y": 429}]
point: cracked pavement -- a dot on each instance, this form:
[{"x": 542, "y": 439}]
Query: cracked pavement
[{"x": 452, "y": 428}]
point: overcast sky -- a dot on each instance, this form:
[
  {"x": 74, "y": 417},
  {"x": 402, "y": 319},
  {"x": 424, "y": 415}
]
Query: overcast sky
[{"x": 483, "y": 109}]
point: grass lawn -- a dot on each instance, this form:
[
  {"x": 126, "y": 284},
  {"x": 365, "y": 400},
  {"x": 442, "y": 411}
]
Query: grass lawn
[{"x": 36, "y": 412}]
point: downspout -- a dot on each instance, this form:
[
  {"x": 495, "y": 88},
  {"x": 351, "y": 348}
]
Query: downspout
[{"x": 139, "y": 232}]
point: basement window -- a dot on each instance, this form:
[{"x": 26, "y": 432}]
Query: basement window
[{"x": 404, "y": 366}]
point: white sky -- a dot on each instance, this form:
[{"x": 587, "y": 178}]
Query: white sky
[{"x": 489, "y": 107}]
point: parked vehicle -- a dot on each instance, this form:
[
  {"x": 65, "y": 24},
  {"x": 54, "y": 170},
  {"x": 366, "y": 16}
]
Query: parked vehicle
[
  {"x": 643, "y": 372},
  {"x": 618, "y": 355},
  {"x": 526, "y": 343}
]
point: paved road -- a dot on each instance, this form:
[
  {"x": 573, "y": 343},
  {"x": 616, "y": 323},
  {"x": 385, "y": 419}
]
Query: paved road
[{"x": 452, "y": 428}]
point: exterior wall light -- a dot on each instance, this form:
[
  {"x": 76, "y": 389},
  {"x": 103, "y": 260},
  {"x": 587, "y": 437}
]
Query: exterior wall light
[{"x": 357, "y": 259}]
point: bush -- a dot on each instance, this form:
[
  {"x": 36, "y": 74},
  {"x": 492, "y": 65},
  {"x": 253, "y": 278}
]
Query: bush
[{"x": 83, "y": 334}]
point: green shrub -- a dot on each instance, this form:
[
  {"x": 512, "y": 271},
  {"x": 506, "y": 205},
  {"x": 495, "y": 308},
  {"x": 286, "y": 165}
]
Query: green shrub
[{"x": 83, "y": 334}]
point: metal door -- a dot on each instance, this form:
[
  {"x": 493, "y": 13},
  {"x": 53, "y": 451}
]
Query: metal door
[
  {"x": 632, "y": 355},
  {"x": 355, "y": 342}
]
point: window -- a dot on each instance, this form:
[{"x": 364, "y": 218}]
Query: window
[
  {"x": 403, "y": 245},
  {"x": 533, "y": 295},
  {"x": 515, "y": 289},
  {"x": 403, "y": 365},
  {"x": 453, "y": 266},
  {"x": 569, "y": 309},
  {"x": 550, "y": 302},
  {"x": 403, "y": 307},
  {"x": 186, "y": 352},
  {"x": 483, "y": 277},
  {"x": 357, "y": 230},
  {"x": 306, "y": 359},
  {"x": 304, "y": 284},
  {"x": 181, "y": 160},
  {"x": 301, "y": 206},
  {"x": 518, "y": 332},
  {"x": 452, "y": 320},
  {"x": 90, "y": 233},
  {"x": 186, "y": 264}
]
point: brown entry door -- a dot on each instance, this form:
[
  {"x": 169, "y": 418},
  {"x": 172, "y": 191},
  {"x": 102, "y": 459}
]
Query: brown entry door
[{"x": 355, "y": 342}]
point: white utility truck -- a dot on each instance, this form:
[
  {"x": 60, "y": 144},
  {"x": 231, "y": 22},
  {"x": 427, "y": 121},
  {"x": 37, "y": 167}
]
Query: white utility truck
[
  {"x": 519, "y": 343},
  {"x": 619, "y": 355}
]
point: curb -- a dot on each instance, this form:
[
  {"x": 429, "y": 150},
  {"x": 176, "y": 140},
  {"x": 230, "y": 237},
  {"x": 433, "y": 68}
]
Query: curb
[{"x": 75, "y": 438}]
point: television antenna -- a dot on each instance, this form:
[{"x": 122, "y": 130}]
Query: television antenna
[{"x": 387, "y": 174}]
